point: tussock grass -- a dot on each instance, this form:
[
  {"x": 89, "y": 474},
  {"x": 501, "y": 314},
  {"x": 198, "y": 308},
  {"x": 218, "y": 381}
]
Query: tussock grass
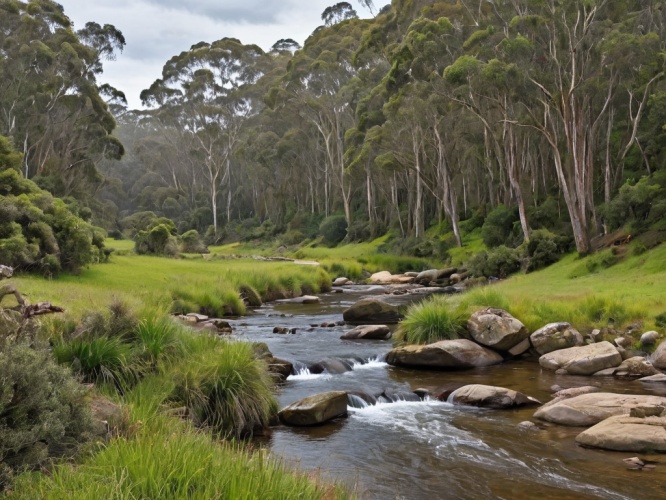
[
  {"x": 102, "y": 360},
  {"x": 224, "y": 386},
  {"x": 168, "y": 459},
  {"x": 430, "y": 321}
]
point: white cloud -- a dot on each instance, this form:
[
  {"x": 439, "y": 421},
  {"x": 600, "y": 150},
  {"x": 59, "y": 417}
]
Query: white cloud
[{"x": 156, "y": 30}]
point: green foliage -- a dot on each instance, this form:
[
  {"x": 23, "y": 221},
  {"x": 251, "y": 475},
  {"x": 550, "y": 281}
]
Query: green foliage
[
  {"x": 639, "y": 203},
  {"x": 43, "y": 412},
  {"x": 499, "y": 262},
  {"x": 38, "y": 231},
  {"x": 157, "y": 239},
  {"x": 498, "y": 228},
  {"x": 544, "y": 249},
  {"x": 660, "y": 320},
  {"x": 156, "y": 338},
  {"x": 191, "y": 242},
  {"x": 595, "y": 263},
  {"x": 170, "y": 460},
  {"x": 293, "y": 237},
  {"x": 99, "y": 360},
  {"x": 333, "y": 229},
  {"x": 462, "y": 69},
  {"x": 430, "y": 321},
  {"x": 225, "y": 387}
]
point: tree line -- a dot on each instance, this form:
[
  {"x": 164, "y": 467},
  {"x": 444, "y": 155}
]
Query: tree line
[{"x": 431, "y": 113}]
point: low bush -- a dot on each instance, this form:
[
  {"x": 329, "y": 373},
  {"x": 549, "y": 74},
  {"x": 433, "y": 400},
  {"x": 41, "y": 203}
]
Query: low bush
[
  {"x": 225, "y": 387},
  {"x": 544, "y": 249},
  {"x": 191, "y": 242},
  {"x": 499, "y": 262},
  {"x": 431, "y": 321},
  {"x": 660, "y": 320},
  {"x": 43, "y": 412},
  {"x": 333, "y": 229},
  {"x": 158, "y": 239}
]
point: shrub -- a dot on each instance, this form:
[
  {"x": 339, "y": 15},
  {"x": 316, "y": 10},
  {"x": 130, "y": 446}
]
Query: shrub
[
  {"x": 191, "y": 242},
  {"x": 225, "y": 387},
  {"x": 158, "y": 240},
  {"x": 498, "y": 228},
  {"x": 544, "y": 249},
  {"x": 42, "y": 410},
  {"x": 38, "y": 231},
  {"x": 431, "y": 321},
  {"x": 333, "y": 229},
  {"x": 293, "y": 237},
  {"x": 499, "y": 263},
  {"x": 660, "y": 320}
]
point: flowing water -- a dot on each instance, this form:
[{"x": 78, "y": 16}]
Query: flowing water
[{"x": 432, "y": 449}]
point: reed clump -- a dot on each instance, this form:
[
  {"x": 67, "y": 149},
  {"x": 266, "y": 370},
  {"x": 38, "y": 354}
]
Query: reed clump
[{"x": 430, "y": 321}]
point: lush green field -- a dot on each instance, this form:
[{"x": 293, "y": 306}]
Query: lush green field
[{"x": 145, "y": 282}]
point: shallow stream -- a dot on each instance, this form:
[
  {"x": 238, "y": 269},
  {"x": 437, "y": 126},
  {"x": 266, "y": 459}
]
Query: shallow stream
[{"x": 431, "y": 449}]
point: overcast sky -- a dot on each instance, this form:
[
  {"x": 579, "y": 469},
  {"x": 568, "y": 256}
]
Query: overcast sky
[{"x": 155, "y": 30}]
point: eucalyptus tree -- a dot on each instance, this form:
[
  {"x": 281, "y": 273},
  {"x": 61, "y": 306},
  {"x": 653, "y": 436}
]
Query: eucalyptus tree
[
  {"x": 50, "y": 101},
  {"x": 207, "y": 93},
  {"x": 574, "y": 82},
  {"x": 317, "y": 88}
]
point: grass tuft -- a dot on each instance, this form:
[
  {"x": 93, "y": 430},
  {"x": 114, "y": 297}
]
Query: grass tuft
[{"x": 431, "y": 321}]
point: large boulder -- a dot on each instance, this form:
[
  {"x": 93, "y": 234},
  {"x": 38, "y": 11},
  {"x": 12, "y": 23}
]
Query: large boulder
[
  {"x": 445, "y": 354},
  {"x": 555, "y": 336},
  {"x": 486, "y": 396},
  {"x": 584, "y": 360},
  {"x": 315, "y": 410},
  {"x": 626, "y": 433},
  {"x": 496, "y": 328},
  {"x": 590, "y": 409},
  {"x": 426, "y": 277},
  {"x": 372, "y": 311},
  {"x": 658, "y": 357},
  {"x": 368, "y": 332}
]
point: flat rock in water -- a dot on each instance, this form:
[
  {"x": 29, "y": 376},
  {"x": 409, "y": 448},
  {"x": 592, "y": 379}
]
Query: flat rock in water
[
  {"x": 590, "y": 409},
  {"x": 372, "y": 310},
  {"x": 637, "y": 366},
  {"x": 386, "y": 278},
  {"x": 496, "y": 328},
  {"x": 368, "y": 332},
  {"x": 555, "y": 336},
  {"x": 486, "y": 396},
  {"x": 625, "y": 433},
  {"x": 305, "y": 299},
  {"x": 196, "y": 318},
  {"x": 654, "y": 379},
  {"x": 445, "y": 354},
  {"x": 315, "y": 410},
  {"x": 584, "y": 360}
]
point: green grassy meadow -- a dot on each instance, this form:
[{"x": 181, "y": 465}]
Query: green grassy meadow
[{"x": 146, "y": 282}]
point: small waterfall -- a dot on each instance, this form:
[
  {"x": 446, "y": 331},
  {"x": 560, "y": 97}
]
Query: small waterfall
[{"x": 355, "y": 401}]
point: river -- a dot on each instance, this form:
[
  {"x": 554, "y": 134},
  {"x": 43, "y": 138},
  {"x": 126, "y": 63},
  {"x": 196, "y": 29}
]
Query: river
[{"x": 432, "y": 449}]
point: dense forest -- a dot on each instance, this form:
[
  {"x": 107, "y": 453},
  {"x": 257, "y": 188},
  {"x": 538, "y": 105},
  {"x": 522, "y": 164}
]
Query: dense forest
[{"x": 431, "y": 119}]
